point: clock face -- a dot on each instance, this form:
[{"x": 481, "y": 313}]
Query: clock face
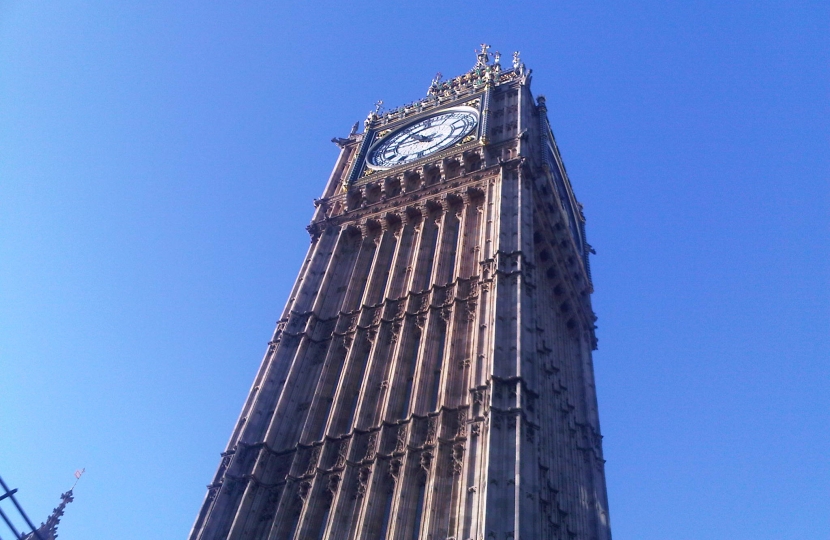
[{"x": 424, "y": 137}]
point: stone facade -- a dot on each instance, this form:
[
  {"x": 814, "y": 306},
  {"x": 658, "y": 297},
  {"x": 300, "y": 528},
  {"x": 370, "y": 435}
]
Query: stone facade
[{"x": 431, "y": 374}]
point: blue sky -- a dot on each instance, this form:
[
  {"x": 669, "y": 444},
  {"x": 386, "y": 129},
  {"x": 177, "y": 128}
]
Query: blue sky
[{"x": 158, "y": 162}]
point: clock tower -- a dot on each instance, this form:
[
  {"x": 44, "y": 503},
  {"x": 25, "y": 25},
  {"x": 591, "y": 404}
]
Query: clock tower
[{"x": 431, "y": 374}]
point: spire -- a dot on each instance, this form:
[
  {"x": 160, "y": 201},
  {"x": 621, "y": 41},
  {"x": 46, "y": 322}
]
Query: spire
[{"x": 49, "y": 529}]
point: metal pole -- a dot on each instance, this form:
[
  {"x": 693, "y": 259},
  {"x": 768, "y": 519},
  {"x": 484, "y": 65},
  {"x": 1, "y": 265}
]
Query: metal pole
[
  {"x": 19, "y": 509},
  {"x": 9, "y": 523}
]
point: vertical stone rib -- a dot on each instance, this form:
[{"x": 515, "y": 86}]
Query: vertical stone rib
[
  {"x": 312, "y": 519},
  {"x": 442, "y": 486},
  {"x": 452, "y": 393},
  {"x": 325, "y": 364},
  {"x": 458, "y": 385},
  {"x": 503, "y": 500},
  {"x": 285, "y": 417},
  {"x": 345, "y": 396},
  {"x": 286, "y": 405},
  {"x": 402, "y": 370},
  {"x": 456, "y": 390},
  {"x": 527, "y": 469},
  {"x": 482, "y": 363},
  {"x": 279, "y": 353},
  {"x": 226, "y": 505},
  {"x": 374, "y": 517},
  {"x": 374, "y": 384},
  {"x": 444, "y": 272},
  {"x": 405, "y": 380},
  {"x": 447, "y": 360},
  {"x": 422, "y": 276},
  {"x": 343, "y": 505},
  {"x": 288, "y": 513},
  {"x": 407, "y": 512},
  {"x": 405, "y": 519},
  {"x": 400, "y": 282}
]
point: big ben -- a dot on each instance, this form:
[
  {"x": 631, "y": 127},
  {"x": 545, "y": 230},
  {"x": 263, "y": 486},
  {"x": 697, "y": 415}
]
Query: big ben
[{"x": 431, "y": 374}]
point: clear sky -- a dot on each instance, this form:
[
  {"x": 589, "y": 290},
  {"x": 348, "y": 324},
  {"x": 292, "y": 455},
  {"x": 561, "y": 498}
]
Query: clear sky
[{"x": 158, "y": 162}]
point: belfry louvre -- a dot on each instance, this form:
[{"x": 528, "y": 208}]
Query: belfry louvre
[{"x": 431, "y": 375}]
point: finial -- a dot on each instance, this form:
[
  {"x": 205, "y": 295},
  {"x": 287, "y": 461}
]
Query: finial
[
  {"x": 516, "y": 60},
  {"x": 496, "y": 57},
  {"x": 483, "y": 57},
  {"x": 373, "y": 115},
  {"x": 433, "y": 86}
]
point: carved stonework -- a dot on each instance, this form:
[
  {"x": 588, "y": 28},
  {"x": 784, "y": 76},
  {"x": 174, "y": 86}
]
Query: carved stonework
[
  {"x": 488, "y": 270},
  {"x": 395, "y": 468},
  {"x": 426, "y": 460},
  {"x": 280, "y": 329},
  {"x": 342, "y": 452},
  {"x": 449, "y": 294},
  {"x": 469, "y": 310},
  {"x": 432, "y": 336},
  {"x": 333, "y": 484},
  {"x": 313, "y": 460},
  {"x": 270, "y": 506},
  {"x": 371, "y": 447},
  {"x": 400, "y": 310},
  {"x": 462, "y": 423},
  {"x": 363, "y": 480},
  {"x": 400, "y": 441},
  {"x": 432, "y": 430},
  {"x": 304, "y": 489},
  {"x": 473, "y": 290},
  {"x": 457, "y": 458}
]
